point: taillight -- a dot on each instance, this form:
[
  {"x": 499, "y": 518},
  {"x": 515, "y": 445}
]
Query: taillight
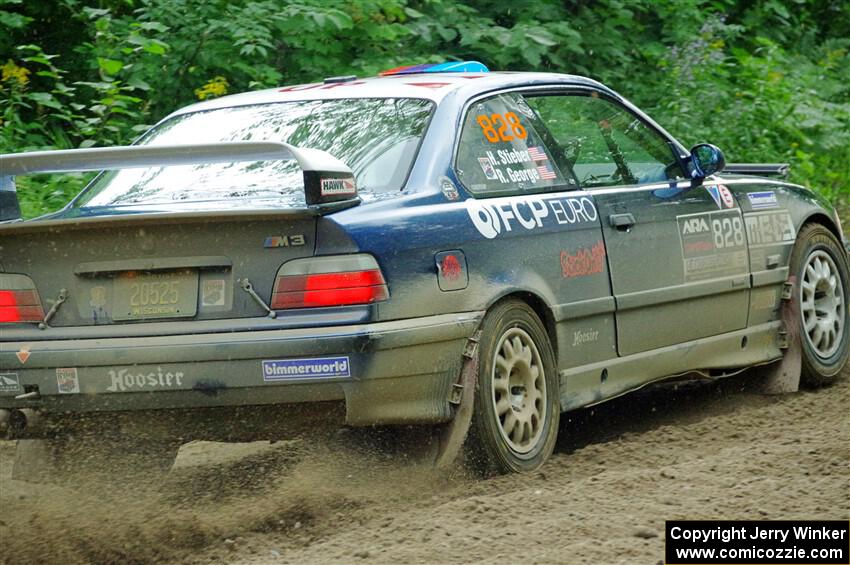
[
  {"x": 340, "y": 280},
  {"x": 20, "y": 306}
]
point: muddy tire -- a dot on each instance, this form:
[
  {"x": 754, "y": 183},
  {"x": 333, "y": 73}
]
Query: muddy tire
[
  {"x": 517, "y": 406},
  {"x": 819, "y": 264},
  {"x": 72, "y": 459}
]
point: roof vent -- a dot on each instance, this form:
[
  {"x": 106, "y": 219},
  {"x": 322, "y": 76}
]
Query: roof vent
[{"x": 338, "y": 80}]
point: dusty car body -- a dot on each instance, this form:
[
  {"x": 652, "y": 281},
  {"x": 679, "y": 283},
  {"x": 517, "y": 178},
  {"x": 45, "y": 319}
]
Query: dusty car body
[{"x": 536, "y": 231}]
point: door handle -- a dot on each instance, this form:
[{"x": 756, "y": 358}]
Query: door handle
[{"x": 622, "y": 222}]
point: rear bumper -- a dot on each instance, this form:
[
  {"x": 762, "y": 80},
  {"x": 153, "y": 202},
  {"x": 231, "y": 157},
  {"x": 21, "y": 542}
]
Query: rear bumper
[{"x": 386, "y": 373}]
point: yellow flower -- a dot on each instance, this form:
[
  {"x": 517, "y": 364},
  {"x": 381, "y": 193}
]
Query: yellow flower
[
  {"x": 12, "y": 72},
  {"x": 212, "y": 89}
]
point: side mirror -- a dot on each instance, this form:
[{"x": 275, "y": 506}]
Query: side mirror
[{"x": 706, "y": 159}]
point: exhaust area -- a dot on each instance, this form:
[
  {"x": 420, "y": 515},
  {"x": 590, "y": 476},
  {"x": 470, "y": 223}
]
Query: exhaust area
[{"x": 20, "y": 423}]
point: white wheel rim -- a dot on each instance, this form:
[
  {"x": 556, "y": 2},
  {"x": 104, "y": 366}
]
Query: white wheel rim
[
  {"x": 822, "y": 304},
  {"x": 519, "y": 390}
]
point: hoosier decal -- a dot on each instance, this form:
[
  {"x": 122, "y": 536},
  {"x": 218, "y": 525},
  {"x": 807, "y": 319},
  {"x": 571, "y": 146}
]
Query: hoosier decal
[{"x": 125, "y": 380}]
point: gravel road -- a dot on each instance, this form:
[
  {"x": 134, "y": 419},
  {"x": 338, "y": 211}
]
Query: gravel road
[{"x": 694, "y": 450}]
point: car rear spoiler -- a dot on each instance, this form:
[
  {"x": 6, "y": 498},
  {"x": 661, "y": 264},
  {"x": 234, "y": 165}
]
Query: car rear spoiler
[
  {"x": 778, "y": 170},
  {"x": 328, "y": 182}
]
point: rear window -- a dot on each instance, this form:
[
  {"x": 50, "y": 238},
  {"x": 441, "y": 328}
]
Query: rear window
[
  {"x": 377, "y": 138},
  {"x": 504, "y": 149}
]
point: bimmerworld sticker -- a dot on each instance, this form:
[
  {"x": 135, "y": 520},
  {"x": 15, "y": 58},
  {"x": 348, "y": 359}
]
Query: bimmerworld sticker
[
  {"x": 319, "y": 368},
  {"x": 338, "y": 187}
]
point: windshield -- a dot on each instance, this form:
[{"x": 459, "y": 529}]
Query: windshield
[{"x": 377, "y": 138}]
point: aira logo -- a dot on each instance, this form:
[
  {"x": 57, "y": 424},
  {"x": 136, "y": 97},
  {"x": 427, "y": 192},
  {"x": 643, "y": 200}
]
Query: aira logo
[{"x": 694, "y": 225}]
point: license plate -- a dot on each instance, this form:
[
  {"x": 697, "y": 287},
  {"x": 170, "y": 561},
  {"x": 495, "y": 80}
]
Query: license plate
[{"x": 140, "y": 296}]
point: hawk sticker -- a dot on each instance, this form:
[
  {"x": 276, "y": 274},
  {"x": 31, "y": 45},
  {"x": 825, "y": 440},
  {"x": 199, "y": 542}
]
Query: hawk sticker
[{"x": 338, "y": 187}]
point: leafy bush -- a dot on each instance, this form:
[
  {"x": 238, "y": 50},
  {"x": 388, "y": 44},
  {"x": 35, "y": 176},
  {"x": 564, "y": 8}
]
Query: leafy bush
[{"x": 766, "y": 83}]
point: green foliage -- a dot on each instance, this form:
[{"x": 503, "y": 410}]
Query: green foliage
[{"x": 768, "y": 81}]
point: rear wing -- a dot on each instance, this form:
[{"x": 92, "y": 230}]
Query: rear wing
[
  {"x": 328, "y": 182},
  {"x": 777, "y": 170}
]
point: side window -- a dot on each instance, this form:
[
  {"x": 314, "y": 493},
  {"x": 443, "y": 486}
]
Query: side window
[
  {"x": 503, "y": 150},
  {"x": 604, "y": 144}
]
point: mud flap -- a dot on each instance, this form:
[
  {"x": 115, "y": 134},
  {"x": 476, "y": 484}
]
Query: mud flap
[
  {"x": 453, "y": 434},
  {"x": 784, "y": 376}
]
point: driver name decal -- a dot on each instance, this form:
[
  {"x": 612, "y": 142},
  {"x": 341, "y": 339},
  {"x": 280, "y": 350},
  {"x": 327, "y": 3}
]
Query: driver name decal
[{"x": 501, "y": 215}]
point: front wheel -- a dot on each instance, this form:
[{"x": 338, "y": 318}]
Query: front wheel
[
  {"x": 820, "y": 265},
  {"x": 517, "y": 407}
]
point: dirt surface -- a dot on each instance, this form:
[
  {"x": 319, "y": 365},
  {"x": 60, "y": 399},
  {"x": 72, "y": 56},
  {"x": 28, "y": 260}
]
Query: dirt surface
[{"x": 708, "y": 450}]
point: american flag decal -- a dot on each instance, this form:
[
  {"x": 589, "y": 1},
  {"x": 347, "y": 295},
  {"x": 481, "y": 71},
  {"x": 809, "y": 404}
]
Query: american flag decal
[
  {"x": 546, "y": 172},
  {"x": 537, "y": 154}
]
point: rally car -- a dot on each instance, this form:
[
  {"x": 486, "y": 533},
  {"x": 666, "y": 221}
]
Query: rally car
[{"x": 439, "y": 246}]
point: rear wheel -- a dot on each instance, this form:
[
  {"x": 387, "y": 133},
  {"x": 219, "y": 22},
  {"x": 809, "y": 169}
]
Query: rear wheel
[
  {"x": 820, "y": 265},
  {"x": 517, "y": 409}
]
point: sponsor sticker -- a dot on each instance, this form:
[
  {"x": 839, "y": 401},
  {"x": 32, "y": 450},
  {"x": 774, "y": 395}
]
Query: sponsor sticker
[
  {"x": 67, "y": 380},
  {"x": 212, "y": 292},
  {"x": 726, "y": 196},
  {"x": 318, "y": 368},
  {"x": 713, "y": 244},
  {"x": 9, "y": 383},
  {"x": 586, "y": 261},
  {"x": 770, "y": 228},
  {"x": 487, "y": 167},
  {"x": 449, "y": 189},
  {"x": 23, "y": 355},
  {"x": 129, "y": 380},
  {"x": 501, "y": 215},
  {"x": 581, "y": 337},
  {"x": 766, "y": 199},
  {"x": 338, "y": 187},
  {"x": 722, "y": 196},
  {"x": 451, "y": 270}
]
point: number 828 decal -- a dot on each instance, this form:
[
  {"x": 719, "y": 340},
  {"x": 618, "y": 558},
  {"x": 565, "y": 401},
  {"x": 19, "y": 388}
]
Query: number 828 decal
[{"x": 495, "y": 127}]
